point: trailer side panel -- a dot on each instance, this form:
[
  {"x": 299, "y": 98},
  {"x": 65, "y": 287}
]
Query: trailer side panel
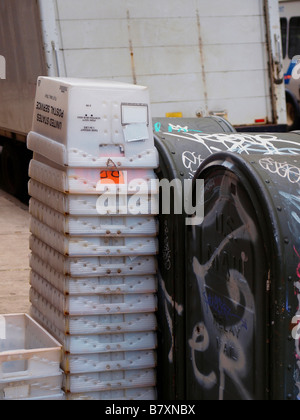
[{"x": 21, "y": 46}]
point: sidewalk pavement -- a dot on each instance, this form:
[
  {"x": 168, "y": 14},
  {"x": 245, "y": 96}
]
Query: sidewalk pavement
[{"x": 14, "y": 255}]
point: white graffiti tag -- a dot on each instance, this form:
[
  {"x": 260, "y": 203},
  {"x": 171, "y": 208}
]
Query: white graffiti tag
[
  {"x": 232, "y": 359},
  {"x": 241, "y": 143},
  {"x": 296, "y": 336},
  {"x": 176, "y": 306},
  {"x": 285, "y": 170},
  {"x": 294, "y": 200},
  {"x": 236, "y": 308},
  {"x": 191, "y": 161},
  {"x": 200, "y": 333}
]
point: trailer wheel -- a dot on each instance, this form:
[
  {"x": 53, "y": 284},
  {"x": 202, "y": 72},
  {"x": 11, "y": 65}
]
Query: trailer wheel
[
  {"x": 293, "y": 112},
  {"x": 11, "y": 162}
]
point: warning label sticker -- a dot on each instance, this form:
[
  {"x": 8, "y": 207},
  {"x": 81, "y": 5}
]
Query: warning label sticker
[{"x": 112, "y": 177}]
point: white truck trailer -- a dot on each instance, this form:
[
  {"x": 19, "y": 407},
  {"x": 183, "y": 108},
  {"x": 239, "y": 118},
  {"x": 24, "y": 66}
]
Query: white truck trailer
[
  {"x": 290, "y": 29},
  {"x": 197, "y": 57}
]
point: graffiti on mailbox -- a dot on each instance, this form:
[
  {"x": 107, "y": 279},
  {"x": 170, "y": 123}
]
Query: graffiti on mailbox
[{"x": 231, "y": 344}]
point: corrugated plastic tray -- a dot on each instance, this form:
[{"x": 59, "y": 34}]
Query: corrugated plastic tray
[
  {"x": 53, "y": 319},
  {"x": 149, "y": 394},
  {"x": 57, "y": 397},
  {"x": 139, "y": 156},
  {"x": 93, "y": 266},
  {"x": 96, "y": 343},
  {"x": 109, "y": 380},
  {"x": 93, "y": 246},
  {"x": 92, "y": 205},
  {"x": 107, "y": 343},
  {"x": 92, "y": 285},
  {"x": 107, "y": 226},
  {"x": 109, "y": 361},
  {"x": 93, "y": 304},
  {"x": 89, "y": 181}
]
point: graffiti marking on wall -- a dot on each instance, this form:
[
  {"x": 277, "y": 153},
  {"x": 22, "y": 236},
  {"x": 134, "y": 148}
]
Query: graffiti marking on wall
[
  {"x": 294, "y": 200},
  {"x": 228, "y": 314},
  {"x": 200, "y": 342},
  {"x": 191, "y": 161},
  {"x": 175, "y": 128},
  {"x": 166, "y": 249},
  {"x": 241, "y": 143},
  {"x": 232, "y": 359},
  {"x": 284, "y": 170},
  {"x": 179, "y": 309},
  {"x": 296, "y": 329}
]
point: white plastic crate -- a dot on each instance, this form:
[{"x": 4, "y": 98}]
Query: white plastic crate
[
  {"x": 107, "y": 343},
  {"x": 32, "y": 387},
  {"x": 88, "y": 181},
  {"x": 53, "y": 320},
  {"x": 146, "y": 394},
  {"x": 77, "y": 157},
  {"x": 26, "y": 349},
  {"x": 82, "y": 123},
  {"x": 93, "y": 266},
  {"x": 107, "y": 226},
  {"x": 107, "y": 362},
  {"x": 94, "y": 304},
  {"x": 93, "y": 246},
  {"x": 59, "y": 201},
  {"x": 89, "y": 205},
  {"x": 91, "y": 341},
  {"x": 109, "y": 380},
  {"x": 92, "y": 285},
  {"x": 57, "y": 397}
]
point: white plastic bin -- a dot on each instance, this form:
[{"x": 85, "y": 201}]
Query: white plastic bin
[
  {"x": 88, "y": 181},
  {"x": 81, "y": 123},
  {"x": 89, "y": 205},
  {"x": 53, "y": 319},
  {"x": 106, "y": 362},
  {"x": 93, "y": 246},
  {"x": 31, "y": 388},
  {"x": 149, "y": 394},
  {"x": 102, "y": 381},
  {"x": 105, "y": 226},
  {"x": 93, "y": 266},
  {"x": 94, "y": 304},
  {"x": 26, "y": 349},
  {"x": 57, "y": 397},
  {"x": 92, "y": 285}
]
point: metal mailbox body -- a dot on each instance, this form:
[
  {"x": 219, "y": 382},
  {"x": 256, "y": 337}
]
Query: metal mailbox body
[
  {"x": 243, "y": 280},
  {"x": 183, "y": 146},
  {"x": 180, "y": 155}
]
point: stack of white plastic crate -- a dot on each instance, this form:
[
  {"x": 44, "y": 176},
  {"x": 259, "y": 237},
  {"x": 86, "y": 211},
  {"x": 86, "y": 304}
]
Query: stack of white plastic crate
[{"x": 93, "y": 246}]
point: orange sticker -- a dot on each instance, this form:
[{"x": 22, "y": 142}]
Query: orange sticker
[{"x": 109, "y": 177}]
